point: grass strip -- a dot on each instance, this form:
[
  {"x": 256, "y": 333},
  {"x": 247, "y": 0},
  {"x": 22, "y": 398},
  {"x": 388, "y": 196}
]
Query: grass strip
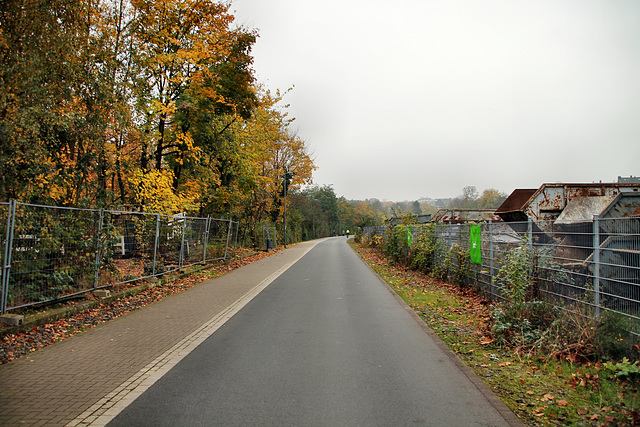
[{"x": 540, "y": 392}]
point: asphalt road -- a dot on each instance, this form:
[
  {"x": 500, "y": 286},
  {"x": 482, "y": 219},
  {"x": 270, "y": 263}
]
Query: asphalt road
[{"x": 325, "y": 344}]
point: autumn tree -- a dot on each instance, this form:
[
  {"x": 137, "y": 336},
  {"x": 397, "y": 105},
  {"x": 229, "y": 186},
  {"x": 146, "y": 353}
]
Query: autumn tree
[
  {"x": 468, "y": 199},
  {"x": 62, "y": 67},
  {"x": 46, "y": 115},
  {"x": 258, "y": 151},
  {"x": 113, "y": 38},
  {"x": 326, "y": 198},
  {"x": 366, "y": 215},
  {"x": 491, "y": 199},
  {"x": 177, "y": 44},
  {"x": 180, "y": 75},
  {"x": 152, "y": 103}
]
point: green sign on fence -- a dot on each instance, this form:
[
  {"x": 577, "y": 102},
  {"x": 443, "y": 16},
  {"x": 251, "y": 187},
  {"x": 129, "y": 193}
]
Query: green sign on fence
[{"x": 475, "y": 243}]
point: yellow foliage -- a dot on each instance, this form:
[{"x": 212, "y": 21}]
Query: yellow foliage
[
  {"x": 154, "y": 190},
  {"x": 164, "y": 109},
  {"x": 166, "y": 130},
  {"x": 190, "y": 150},
  {"x": 271, "y": 146}
]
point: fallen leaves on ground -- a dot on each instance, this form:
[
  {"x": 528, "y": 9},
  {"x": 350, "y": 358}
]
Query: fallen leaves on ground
[
  {"x": 13, "y": 346},
  {"x": 540, "y": 393}
]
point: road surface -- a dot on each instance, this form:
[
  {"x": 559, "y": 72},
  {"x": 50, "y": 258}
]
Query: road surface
[{"x": 325, "y": 344}]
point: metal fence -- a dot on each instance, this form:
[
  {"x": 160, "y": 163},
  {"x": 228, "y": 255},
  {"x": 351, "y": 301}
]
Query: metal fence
[
  {"x": 50, "y": 253},
  {"x": 587, "y": 267}
]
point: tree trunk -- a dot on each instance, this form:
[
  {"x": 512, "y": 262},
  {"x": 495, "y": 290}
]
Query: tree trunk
[{"x": 160, "y": 147}]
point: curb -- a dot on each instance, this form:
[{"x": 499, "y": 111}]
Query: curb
[
  {"x": 506, "y": 413},
  {"x": 50, "y": 316}
]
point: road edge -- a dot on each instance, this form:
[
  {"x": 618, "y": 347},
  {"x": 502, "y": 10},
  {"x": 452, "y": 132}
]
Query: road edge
[
  {"x": 107, "y": 408},
  {"x": 509, "y": 416}
]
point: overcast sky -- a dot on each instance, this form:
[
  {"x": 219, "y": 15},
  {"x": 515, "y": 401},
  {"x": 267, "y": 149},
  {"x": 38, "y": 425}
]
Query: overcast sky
[{"x": 411, "y": 98}]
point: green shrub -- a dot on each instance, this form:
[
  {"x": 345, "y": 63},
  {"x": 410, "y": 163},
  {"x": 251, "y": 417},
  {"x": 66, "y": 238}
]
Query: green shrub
[
  {"x": 442, "y": 268},
  {"x": 463, "y": 263},
  {"x": 523, "y": 325},
  {"x": 624, "y": 369},
  {"x": 396, "y": 246},
  {"x": 424, "y": 250},
  {"x": 514, "y": 277},
  {"x": 518, "y": 322},
  {"x": 613, "y": 338}
]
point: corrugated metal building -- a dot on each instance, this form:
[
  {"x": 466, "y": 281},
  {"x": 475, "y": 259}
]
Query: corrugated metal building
[{"x": 565, "y": 203}]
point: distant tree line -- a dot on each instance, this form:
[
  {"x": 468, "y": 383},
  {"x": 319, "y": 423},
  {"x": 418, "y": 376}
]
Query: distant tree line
[
  {"x": 489, "y": 199},
  {"x": 317, "y": 211}
]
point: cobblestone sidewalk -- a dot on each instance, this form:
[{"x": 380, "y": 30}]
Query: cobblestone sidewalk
[{"x": 90, "y": 377}]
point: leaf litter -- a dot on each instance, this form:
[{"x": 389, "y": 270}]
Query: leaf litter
[
  {"x": 540, "y": 392},
  {"x": 15, "y": 345}
]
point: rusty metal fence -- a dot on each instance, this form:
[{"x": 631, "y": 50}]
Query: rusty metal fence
[
  {"x": 586, "y": 267},
  {"x": 51, "y": 253}
]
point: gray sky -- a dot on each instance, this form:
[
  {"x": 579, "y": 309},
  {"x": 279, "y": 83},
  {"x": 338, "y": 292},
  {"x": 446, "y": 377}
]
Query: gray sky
[{"x": 410, "y": 98}]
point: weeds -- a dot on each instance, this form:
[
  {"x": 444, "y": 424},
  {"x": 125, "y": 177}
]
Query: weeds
[
  {"x": 572, "y": 337},
  {"x": 514, "y": 276},
  {"x": 425, "y": 250},
  {"x": 521, "y": 322},
  {"x": 613, "y": 337},
  {"x": 523, "y": 326},
  {"x": 624, "y": 369},
  {"x": 543, "y": 362}
]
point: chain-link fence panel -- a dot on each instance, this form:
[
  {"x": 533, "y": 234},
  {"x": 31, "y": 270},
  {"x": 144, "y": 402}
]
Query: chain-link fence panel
[
  {"x": 5, "y": 226},
  {"x": 127, "y": 247},
  {"x": 53, "y": 253},
  {"x": 219, "y": 231},
  {"x": 583, "y": 266},
  {"x": 195, "y": 240}
]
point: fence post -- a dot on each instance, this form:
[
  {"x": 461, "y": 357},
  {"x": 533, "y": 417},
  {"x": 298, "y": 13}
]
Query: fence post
[
  {"x": 436, "y": 243},
  {"x": 461, "y": 228},
  {"x": 206, "y": 238},
  {"x": 492, "y": 288},
  {"x": 155, "y": 245},
  {"x": 236, "y": 234},
  {"x": 596, "y": 265},
  {"x": 98, "y": 249},
  {"x": 184, "y": 231},
  {"x": 228, "y": 237},
  {"x": 6, "y": 267}
]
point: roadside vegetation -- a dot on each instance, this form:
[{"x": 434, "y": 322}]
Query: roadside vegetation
[
  {"x": 550, "y": 367},
  {"x": 47, "y": 325}
]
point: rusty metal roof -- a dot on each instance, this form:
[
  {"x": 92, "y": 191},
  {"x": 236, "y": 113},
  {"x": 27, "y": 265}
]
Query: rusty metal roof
[
  {"x": 459, "y": 216},
  {"x": 549, "y": 202},
  {"x": 590, "y": 189},
  {"x": 516, "y": 200}
]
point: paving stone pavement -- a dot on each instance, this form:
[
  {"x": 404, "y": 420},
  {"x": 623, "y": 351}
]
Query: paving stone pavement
[{"x": 89, "y": 378}]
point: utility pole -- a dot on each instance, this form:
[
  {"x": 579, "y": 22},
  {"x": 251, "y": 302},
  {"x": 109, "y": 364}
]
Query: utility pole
[{"x": 287, "y": 175}]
